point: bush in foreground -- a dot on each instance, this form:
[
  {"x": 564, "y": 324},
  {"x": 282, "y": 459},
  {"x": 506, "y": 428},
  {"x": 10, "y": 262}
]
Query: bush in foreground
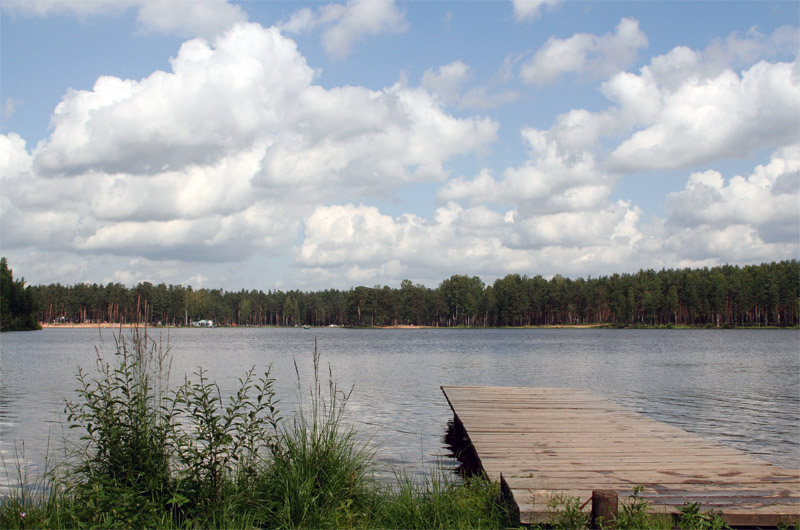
[{"x": 151, "y": 457}]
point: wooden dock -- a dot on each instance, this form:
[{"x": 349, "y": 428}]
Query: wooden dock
[{"x": 546, "y": 443}]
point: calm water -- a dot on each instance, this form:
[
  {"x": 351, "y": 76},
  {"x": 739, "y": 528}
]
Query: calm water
[{"x": 741, "y": 388}]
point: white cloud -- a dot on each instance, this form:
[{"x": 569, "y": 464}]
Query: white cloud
[
  {"x": 711, "y": 222},
  {"x": 235, "y": 151},
  {"x": 447, "y": 81},
  {"x": 585, "y": 53},
  {"x": 527, "y": 10},
  {"x": 198, "y": 18},
  {"x": 448, "y": 84},
  {"x": 743, "y": 49},
  {"x": 348, "y": 23},
  {"x": 351, "y": 245},
  {"x": 704, "y": 119},
  {"x": 686, "y": 108},
  {"x": 203, "y": 18},
  {"x": 758, "y": 206},
  {"x": 216, "y": 101},
  {"x": 372, "y": 141},
  {"x": 357, "y": 242},
  {"x": 14, "y": 158},
  {"x": 220, "y": 158},
  {"x": 553, "y": 180}
]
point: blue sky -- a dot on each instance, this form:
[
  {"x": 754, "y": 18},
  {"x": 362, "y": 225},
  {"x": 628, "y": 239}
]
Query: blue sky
[{"x": 314, "y": 145}]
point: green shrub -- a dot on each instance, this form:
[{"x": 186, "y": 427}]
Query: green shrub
[
  {"x": 439, "y": 500},
  {"x": 126, "y": 420},
  {"x": 319, "y": 468},
  {"x": 149, "y": 457},
  {"x": 692, "y": 518},
  {"x": 216, "y": 443}
]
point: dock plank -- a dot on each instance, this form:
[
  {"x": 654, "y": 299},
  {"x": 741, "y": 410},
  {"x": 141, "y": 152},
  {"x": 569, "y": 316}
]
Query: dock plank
[{"x": 549, "y": 443}]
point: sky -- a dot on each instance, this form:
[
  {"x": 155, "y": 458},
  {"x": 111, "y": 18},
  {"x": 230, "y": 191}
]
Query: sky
[{"x": 315, "y": 145}]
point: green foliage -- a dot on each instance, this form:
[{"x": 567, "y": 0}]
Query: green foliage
[
  {"x": 753, "y": 295},
  {"x": 215, "y": 441},
  {"x": 784, "y": 525},
  {"x": 692, "y": 518},
  {"x": 149, "y": 457},
  {"x": 569, "y": 514},
  {"x": 125, "y": 419},
  {"x": 147, "y": 453},
  {"x": 319, "y": 468},
  {"x": 634, "y": 514},
  {"x": 440, "y": 501},
  {"x": 17, "y": 303}
]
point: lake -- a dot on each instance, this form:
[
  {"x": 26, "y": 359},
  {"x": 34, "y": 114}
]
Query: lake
[{"x": 738, "y": 387}]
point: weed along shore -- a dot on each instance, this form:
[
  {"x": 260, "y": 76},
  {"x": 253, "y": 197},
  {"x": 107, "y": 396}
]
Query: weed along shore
[{"x": 153, "y": 457}]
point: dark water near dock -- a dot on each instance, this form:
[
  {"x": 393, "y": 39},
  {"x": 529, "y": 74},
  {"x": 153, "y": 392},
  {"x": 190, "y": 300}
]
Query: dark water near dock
[{"x": 738, "y": 387}]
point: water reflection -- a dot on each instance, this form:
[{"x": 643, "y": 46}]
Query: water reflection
[{"x": 459, "y": 449}]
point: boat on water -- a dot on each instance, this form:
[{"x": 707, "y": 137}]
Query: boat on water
[{"x": 202, "y": 323}]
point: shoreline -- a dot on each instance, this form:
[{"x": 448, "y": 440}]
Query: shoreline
[{"x": 108, "y": 325}]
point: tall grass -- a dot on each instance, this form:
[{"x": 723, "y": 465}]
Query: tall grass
[{"x": 152, "y": 457}]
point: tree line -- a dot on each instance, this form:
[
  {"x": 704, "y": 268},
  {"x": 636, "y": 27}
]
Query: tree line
[
  {"x": 729, "y": 295},
  {"x": 17, "y": 305}
]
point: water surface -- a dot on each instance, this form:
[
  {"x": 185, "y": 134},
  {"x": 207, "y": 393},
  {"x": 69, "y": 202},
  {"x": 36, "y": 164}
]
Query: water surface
[{"x": 738, "y": 387}]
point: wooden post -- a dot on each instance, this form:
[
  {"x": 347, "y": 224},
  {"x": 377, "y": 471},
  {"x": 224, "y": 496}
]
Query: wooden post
[{"x": 605, "y": 505}]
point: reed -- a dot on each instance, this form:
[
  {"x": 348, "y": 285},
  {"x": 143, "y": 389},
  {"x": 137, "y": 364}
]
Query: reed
[{"x": 151, "y": 457}]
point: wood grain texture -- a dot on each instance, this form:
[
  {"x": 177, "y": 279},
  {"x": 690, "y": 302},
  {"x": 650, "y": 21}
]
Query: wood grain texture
[{"x": 549, "y": 443}]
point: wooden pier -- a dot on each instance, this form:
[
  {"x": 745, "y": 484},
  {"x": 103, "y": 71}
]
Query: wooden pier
[{"x": 549, "y": 443}]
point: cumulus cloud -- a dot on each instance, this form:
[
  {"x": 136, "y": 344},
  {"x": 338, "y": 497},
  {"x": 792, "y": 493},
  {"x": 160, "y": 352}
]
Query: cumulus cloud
[
  {"x": 552, "y": 214},
  {"x": 346, "y": 24},
  {"x": 235, "y": 152},
  {"x": 712, "y": 221},
  {"x": 204, "y": 18},
  {"x": 756, "y": 206},
  {"x": 361, "y": 245},
  {"x": 220, "y": 158},
  {"x": 740, "y": 49},
  {"x": 199, "y": 18},
  {"x": 447, "y": 81},
  {"x": 704, "y": 118},
  {"x": 585, "y": 53},
  {"x": 527, "y": 10},
  {"x": 372, "y": 141},
  {"x": 553, "y": 180},
  {"x": 449, "y": 84},
  {"x": 686, "y": 108},
  {"x": 216, "y": 101}
]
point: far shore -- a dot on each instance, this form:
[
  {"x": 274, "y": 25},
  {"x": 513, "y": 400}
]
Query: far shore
[
  {"x": 96, "y": 325},
  {"x": 399, "y": 326}
]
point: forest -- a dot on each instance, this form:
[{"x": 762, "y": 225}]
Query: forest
[
  {"x": 17, "y": 307},
  {"x": 726, "y": 296}
]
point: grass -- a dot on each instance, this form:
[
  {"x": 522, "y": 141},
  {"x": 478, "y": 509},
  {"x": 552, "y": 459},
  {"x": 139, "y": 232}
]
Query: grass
[{"x": 152, "y": 457}]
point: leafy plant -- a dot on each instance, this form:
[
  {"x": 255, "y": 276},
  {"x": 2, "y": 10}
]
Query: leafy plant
[
  {"x": 149, "y": 457},
  {"x": 692, "y": 518},
  {"x": 216, "y": 440},
  {"x": 633, "y": 514},
  {"x": 569, "y": 514},
  {"x": 126, "y": 422}
]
